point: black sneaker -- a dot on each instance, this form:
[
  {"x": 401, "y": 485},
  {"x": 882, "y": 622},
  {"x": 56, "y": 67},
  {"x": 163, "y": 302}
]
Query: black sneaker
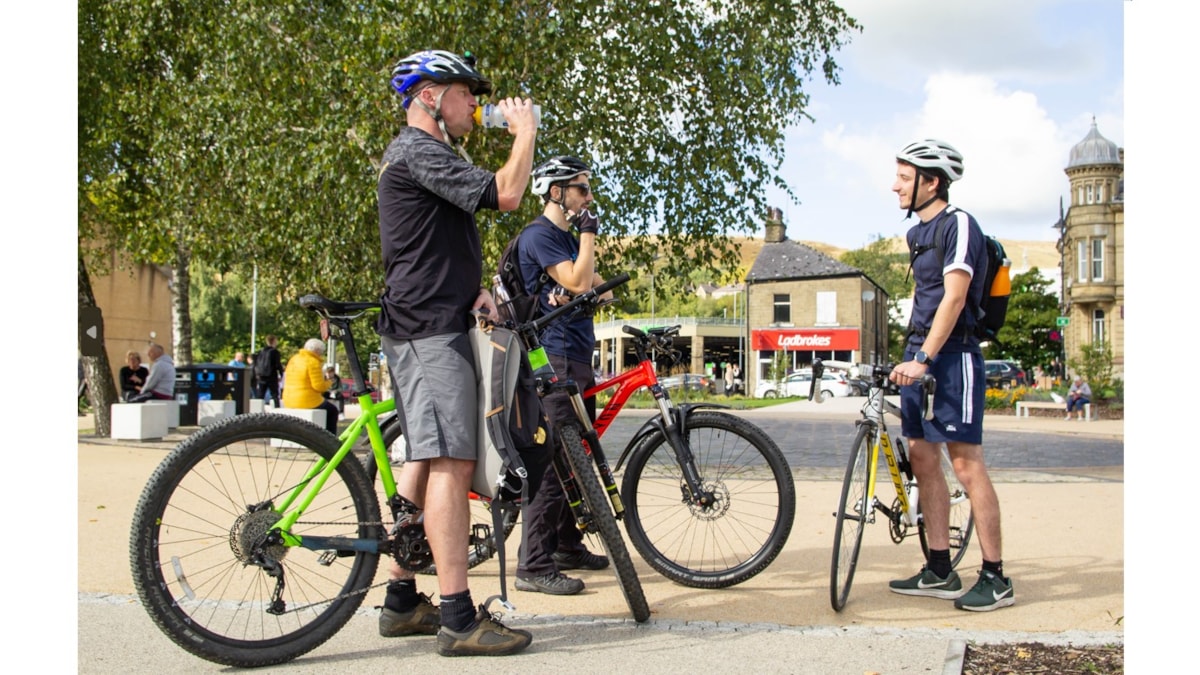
[
  {"x": 929, "y": 584},
  {"x": 581, "y": 560},
  {"x": 554, "y": 583},
  {"x": 488, "y": 637},
  {"x": 424, "y": 619},
  {"x": 990, "y": 592}
]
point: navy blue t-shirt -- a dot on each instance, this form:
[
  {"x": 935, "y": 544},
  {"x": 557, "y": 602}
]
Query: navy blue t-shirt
[
  {"x": 963, "y": 246},
  {"x": 433, "y": 264},
  {"x": 545, "y": 245}
]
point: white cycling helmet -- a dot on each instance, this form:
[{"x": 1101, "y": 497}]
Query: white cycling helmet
[
  {"x": 934, "y": 154},
  {"x": 555, "y": 170}
]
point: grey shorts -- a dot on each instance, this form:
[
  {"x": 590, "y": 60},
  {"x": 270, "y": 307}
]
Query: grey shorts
[{"x": 433, "y": 381}]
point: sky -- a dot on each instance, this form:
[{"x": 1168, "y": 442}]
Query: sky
[{"x": 1012, "y": 85}]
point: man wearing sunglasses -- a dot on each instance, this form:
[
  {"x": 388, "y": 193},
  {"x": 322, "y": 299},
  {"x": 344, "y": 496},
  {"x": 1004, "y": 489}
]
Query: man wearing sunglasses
[
  {"x": 428, "y": 196},
  {"x": 546, "y": 246}
]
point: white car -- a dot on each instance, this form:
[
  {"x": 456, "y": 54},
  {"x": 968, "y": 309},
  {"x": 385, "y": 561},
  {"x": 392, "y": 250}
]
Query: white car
[{"x": 798, "y": 383}]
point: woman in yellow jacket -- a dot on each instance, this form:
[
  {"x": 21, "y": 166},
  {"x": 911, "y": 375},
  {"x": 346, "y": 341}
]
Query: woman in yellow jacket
[{"x": 304, "y": 383}]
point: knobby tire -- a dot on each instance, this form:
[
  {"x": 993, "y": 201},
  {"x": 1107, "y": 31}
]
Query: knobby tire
[
  {"x": 192, "y": 533},
  {"x": 602, "y": 520},
  {"x": 729, "y": 541}
]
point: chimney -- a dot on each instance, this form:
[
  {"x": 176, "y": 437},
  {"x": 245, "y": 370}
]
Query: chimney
[{"x": 776, "y": 232}]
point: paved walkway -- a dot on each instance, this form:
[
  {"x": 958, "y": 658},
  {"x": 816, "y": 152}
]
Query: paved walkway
[{"x": 1063, "y": 547}]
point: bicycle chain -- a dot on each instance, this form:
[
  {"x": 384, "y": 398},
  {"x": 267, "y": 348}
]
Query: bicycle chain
[{"x": 342, "y": 596}]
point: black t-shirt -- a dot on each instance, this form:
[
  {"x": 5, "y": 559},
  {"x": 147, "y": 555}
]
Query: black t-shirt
[
  {"x": 432, "y": 260},
  {"x": 542, "y": 247}
]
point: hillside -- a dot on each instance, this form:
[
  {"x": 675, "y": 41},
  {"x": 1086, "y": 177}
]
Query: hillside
[{"x": 1024, "y": 254}]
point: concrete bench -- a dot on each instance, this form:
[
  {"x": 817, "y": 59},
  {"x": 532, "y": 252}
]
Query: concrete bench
[
  {"x": 1023, "y": 408},
  {"x": 172, "y": 411},
  {"x": 209, "y": 412},
  {"x": 314, "y": 415},
  {"x": 138, "y": 421}
]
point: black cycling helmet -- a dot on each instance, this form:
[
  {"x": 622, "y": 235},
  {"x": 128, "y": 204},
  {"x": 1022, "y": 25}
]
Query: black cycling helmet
[
  {"x": 438, "y": 66},
  {"x": 555, "y": 170}
]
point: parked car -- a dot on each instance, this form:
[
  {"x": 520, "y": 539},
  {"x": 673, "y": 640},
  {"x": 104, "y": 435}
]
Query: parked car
[
  {"x": 689, "y": 382},
  {"x": 1004, "y": 374},
  {"x": 798, "y": 384}
]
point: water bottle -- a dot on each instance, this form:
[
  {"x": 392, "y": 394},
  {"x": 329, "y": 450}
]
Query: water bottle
[{"x": 489, "y": 116}]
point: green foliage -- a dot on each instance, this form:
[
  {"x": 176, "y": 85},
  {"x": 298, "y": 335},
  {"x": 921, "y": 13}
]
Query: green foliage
[
  {"x": 1095, "y": 363},
  {"x": 1032, "y": 311},
  {"x": 243, "y": 133},
  {"x": 890, "y": 271}
]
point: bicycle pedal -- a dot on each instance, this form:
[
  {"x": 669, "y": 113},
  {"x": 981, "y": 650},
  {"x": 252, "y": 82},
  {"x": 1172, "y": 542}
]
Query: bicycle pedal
[{"x": 327, "y": 558}]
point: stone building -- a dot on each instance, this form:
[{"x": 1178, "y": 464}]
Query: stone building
[
  {"x": 804, "y": 304},
  {"x": 135, "y": 303},
  {"x": 1092, "y": 245}
]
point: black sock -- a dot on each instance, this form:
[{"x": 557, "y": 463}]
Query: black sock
[
  {"x": 401, "y": 595},
  {"x": 458, "y": 612},
  {"x": 939, "y": 563},
  {"x": 996, "y": 567}
]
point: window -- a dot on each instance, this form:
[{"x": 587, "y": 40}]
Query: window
[
  {"x": 1089, "y": 194},
  {"x": 1081, "y": 259},
  {"x": 1098, "y": 326},
  {"x": 827, "y": 308},
  {"x": 1097, "y": 260},
  {"x": 783, "y": 308}
]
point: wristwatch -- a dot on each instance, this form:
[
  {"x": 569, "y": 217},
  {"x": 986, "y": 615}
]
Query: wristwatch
[{"x": 922, "y": 358}]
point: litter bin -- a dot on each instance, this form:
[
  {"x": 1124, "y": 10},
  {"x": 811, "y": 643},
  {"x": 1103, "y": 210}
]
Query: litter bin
[{"x": 209, "y": 381}]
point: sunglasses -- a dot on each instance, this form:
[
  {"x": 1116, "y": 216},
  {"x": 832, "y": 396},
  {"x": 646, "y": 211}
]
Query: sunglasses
[{"x": 583, "y": 188}]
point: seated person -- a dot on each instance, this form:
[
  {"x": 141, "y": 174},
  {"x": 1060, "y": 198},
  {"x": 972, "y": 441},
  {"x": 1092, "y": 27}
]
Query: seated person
[
  {"x": 335, "y": 393},
  {"x": 160, "y": 382},
  {"x": 304, "y": 383},
  {"x": 132, "y": 376},
  {"x": 1078, "y": 395}
]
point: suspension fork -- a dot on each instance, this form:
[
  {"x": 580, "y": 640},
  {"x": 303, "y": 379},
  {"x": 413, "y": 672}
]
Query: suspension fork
[
  {"x": 674, "y": 428},
  {"x": 592, "y": 440}
]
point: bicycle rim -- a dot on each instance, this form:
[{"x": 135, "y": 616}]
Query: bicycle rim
[
  {"x": 479, "y": 549},
  {"x": 193, "y": 534},
  {"x": 852, "y": 514},
  {"x": 602, "y": 521},
  {"x": 737, "y": 536},
  {"x": 962, "y": 520}
]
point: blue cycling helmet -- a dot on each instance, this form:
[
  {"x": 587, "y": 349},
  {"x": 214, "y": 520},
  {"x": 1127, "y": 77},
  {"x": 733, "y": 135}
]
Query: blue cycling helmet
[{"x": 438, "y": 66}]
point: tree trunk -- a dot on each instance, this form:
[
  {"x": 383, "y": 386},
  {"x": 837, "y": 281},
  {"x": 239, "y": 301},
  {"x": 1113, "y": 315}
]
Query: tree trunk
[
  {"x": 181, "y": 317},
  {"x": 97, "y": 372}
]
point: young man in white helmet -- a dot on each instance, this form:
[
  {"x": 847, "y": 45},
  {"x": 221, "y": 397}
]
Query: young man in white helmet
[
  {"x": 428, "y": 196},
  {"x": 547, "y": 246},
  {"x": 941, "y": 342}
]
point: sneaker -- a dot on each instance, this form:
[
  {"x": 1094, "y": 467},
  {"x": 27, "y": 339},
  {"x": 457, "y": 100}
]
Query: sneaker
[
  {"x": 580, "y": 560},
  {"x": 488, "y": 637},
  {"x": 554, "y": 583},
  {"x": 927, "y": 583},
  {"x": 424, "y": 619},
  {"x": 990, "y": 592}
]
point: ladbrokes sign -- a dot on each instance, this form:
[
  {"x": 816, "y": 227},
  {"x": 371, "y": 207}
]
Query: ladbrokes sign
[{"x": 804, "y": 339}]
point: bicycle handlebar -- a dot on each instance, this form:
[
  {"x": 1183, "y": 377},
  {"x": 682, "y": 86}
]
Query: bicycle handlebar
[
  {"x": 589, "y": 296},
  {"x": 879, "y": 375}
]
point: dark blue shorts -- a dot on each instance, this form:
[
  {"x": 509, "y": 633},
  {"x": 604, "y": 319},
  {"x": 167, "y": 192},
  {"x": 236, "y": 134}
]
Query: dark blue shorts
[{"x": 957, "y": 401}]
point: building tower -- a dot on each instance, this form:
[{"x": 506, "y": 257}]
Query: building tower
[{"x": 1093, "y": 249}]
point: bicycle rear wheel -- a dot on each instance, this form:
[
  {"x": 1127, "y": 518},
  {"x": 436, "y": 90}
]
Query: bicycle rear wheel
[
  {"x": 602, "y": 521},
  {"x": 199, "y": 526},
  {"x": 962, "y": 520},
  {"x": 480, "y": 549},
  {"x": 732, "y": 539},
  {"x": 853, "y": 511}
]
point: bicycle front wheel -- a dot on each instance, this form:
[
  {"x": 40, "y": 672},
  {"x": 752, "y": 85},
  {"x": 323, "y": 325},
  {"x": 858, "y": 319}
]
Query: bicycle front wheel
[
  {"x": 601, "y": 520},
  {"x": 480, "y": 548},
  {"x": 197, "y": 549},
  {"x": 962, "y": 520},
  {"x": 729, "y": 540},
  {"x": 852, "y": 514}
]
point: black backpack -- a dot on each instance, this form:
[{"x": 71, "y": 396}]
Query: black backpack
[
  {"x": 993, "y": 309},
  {"x": 262, "y": 363},
  {"x": 516, "y": 305}
]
